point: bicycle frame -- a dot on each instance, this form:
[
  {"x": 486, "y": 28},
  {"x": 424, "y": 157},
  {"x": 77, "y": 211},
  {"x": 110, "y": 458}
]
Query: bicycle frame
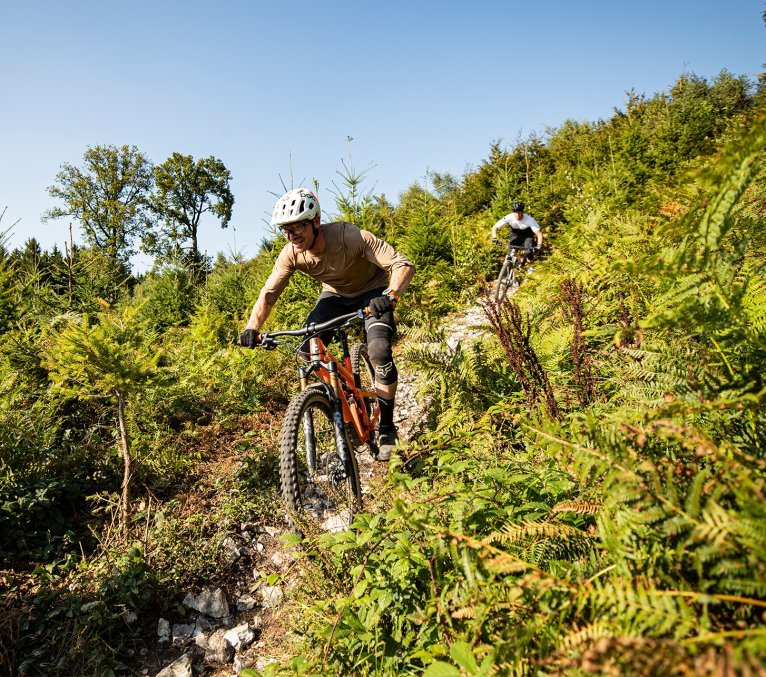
[{"x": 343, "y": 383}]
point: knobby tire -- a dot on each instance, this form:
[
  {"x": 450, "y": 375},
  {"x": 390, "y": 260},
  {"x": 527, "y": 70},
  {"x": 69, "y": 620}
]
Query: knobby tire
[
  {"x": 505, "y": 280},
  {"x": 321, "y": 494}
]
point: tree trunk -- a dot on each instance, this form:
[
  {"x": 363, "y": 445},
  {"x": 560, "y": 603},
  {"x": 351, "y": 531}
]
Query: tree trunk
[
  {"x": 194, "y": 244},
  {"x": 127, "y": 475},
  {"x": 196, "y": 262}
]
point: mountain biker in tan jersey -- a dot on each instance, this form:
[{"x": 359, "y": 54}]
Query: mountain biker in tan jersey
[
  {"x": 524, "y": 231},
  {"x": 357, "y": 270}
]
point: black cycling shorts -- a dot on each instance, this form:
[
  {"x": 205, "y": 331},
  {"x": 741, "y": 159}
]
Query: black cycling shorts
[
  {"x": 380, "y": 331},
  {"x": 523, "y": 238}
]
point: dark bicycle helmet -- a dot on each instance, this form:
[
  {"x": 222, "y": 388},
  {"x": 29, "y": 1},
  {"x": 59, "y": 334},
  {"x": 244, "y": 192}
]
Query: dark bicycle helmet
[{"x": 517, "y": 207}]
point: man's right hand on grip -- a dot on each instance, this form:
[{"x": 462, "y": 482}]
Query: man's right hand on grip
[{"x": 250, "y": 338}]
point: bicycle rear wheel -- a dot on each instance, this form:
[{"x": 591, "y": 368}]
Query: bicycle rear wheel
[
  {"x": 506, "y": 279},
  {"x": 321, "y": 491},
  {"x": 361, "y": 364}
]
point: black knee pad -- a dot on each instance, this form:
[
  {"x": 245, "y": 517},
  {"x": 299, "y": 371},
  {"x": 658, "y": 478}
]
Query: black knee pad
[{"x": 379, "y": 348}]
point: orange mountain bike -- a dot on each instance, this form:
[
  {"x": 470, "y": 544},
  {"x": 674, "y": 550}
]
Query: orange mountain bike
[{"x": 334, "y": 415}]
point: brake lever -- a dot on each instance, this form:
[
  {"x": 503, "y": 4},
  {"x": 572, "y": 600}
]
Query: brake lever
[{"x": 268, "y": 343}]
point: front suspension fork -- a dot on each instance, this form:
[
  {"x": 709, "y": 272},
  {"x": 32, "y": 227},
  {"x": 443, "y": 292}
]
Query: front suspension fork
[
  {"x": 341, "y": 441},
  {"x": 339, "y": 427}
]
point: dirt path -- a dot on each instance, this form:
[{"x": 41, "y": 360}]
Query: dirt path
[
  {"x": 412, "y": 411},
  {"x": 265, "y": 571}
]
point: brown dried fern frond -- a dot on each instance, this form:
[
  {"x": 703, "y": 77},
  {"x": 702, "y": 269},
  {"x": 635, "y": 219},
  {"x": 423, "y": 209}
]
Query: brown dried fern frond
[
  {"x": 538, "y": 530},
  {"x": 463, "y": 613},
  {"x": 506, "y": 564},
  {"x": 586, "y": 636},
  {"x": 578, "y": 507}
]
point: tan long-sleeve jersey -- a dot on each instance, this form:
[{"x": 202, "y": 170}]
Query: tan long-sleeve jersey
[{"x": 353, "y": 262}]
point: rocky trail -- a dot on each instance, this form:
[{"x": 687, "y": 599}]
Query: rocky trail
[{"x": 224, "y": 631}]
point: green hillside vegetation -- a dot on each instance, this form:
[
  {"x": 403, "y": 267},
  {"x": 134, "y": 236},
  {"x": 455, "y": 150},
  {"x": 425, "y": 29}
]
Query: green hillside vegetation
[{"x": 589, "y": 498}]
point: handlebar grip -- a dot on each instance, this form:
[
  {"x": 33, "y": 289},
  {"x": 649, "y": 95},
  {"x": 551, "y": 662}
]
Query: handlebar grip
[{"x": 367, "y": 311}]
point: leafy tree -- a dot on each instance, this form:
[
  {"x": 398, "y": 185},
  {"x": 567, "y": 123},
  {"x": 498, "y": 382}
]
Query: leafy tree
[
  {"x": 185, "y": 190},
  {"x": 7, "y": 296},
  {"x": 108, "y": 195},
  {"x": 111, "y": 360}
]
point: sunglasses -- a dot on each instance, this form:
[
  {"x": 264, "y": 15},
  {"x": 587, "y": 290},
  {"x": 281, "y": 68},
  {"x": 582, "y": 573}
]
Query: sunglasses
[{"x": 294, "y": 229}]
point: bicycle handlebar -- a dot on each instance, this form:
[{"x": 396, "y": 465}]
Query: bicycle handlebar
[
  {"x": 499, "y": 243},
  {"x": 315, "y": 328},
  {"x": 519, "y": 247}
]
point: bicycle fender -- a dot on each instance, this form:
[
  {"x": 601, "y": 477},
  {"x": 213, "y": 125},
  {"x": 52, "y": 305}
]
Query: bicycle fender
[{"x": 323, "y": 387}]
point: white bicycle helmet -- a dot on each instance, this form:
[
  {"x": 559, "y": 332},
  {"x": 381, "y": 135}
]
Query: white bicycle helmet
[{"x": 297, "y": 204}]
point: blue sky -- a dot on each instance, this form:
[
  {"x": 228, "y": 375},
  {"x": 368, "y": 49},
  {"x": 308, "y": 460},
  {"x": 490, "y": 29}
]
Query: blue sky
[{"x": 267, "y": 87}]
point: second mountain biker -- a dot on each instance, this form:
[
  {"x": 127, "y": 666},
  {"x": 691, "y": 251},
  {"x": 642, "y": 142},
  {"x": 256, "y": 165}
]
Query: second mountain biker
[
  {"x": 357, "y": 270},
  {"x": 526, "y": 234}
]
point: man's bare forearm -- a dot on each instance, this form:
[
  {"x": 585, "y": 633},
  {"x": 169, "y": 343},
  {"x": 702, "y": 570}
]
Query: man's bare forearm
[
  {"x": 400, "y": 279},
  {"x": 261, "y": 311}
]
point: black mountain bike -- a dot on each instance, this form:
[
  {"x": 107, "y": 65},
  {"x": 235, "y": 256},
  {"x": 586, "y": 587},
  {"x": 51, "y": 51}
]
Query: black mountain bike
[{"x": 509, "y": 273}]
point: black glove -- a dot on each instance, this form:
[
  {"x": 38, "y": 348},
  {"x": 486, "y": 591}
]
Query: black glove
[
  {"x": 496, "y": 241},
  {"x": 381, "y": 305},
  {"x": 249, "y": 338}
]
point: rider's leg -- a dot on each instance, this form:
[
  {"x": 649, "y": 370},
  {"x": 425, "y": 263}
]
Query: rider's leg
[
  {"x": 327, "y": 307},
  {"x": 380, "y": 334},
  {"x": 529, "y": 256},
  {"x": 386, "y": 391},
  {"x": 529, "y": 244}
]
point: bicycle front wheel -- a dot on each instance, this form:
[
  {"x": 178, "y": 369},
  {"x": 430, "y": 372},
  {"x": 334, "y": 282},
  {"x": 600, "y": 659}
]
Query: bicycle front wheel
[
  {"x": 505, "y": 280},
  {"x": 320, "y": 489}
]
